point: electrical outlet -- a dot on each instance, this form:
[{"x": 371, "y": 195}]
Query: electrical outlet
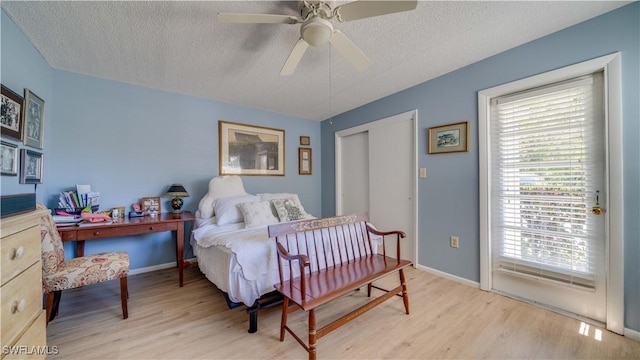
[
  {"x": 423, "y": 172},
  {"x": 454, "y": 242}
]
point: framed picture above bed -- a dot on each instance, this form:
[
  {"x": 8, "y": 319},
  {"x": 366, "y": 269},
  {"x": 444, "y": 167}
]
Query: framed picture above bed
[{"x": 250, "y": 150}]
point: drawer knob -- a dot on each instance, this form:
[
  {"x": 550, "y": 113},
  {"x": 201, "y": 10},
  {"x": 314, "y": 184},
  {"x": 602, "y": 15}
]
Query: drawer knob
[
  {"x": 96, "y": 233},
  {"x": 150, "y": 227},
  {"x": 18, "y": 253},
  {"x": 19, "y": 306}
]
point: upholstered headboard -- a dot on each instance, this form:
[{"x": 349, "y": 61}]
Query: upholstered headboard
[{"x": 219, "y": 187}]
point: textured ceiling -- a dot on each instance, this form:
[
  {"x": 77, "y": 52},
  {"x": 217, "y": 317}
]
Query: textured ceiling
[{"x": 179, "y": 46}]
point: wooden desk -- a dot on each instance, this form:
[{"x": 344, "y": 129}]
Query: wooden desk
[{"x": 130, "y": 227}]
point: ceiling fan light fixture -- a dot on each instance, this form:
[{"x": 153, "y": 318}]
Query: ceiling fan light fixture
[{"x": 316, "y": 31}]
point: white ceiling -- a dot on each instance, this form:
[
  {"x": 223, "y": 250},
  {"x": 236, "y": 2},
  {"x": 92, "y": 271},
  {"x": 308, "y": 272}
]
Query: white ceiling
[{"x": 179, "y": 46}]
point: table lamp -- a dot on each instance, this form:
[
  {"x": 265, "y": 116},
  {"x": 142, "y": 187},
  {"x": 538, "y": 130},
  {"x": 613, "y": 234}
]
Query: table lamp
[{"x": 176, "y": 192}]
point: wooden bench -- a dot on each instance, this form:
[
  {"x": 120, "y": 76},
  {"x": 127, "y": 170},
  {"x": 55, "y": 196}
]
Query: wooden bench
[{"x": 322, "y": 259}]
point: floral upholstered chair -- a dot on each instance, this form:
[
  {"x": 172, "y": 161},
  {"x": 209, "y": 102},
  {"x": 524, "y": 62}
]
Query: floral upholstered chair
[{"x": 58, "y": 274}]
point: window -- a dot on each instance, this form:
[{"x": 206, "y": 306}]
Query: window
[{"x": 547, "y": 172}]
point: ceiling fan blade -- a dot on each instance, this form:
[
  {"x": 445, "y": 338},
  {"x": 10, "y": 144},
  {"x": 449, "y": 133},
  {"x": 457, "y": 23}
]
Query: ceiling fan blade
[
  {"x": 347, "y": 48},
  {"x": 257, "y": 18},
  {"x": 364, "y": 9},
  {"x": 294, "y": 58}
]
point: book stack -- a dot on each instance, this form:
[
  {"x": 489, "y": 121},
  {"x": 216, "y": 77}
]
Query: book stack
[{"x": 73, "y": 201}]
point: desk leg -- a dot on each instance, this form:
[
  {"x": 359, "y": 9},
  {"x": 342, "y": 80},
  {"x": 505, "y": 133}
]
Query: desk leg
[
  {"x": 80, "y": 248},
  {"x": 179, "y": 250}
]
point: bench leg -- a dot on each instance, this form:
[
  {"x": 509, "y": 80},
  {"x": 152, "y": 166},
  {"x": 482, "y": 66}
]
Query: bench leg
[
  {"x": 405, "y": 295},
  {"x": 312, "y": 334},
  {"x": 283, "y": 321},
  {"x": 369, "y": 286}
]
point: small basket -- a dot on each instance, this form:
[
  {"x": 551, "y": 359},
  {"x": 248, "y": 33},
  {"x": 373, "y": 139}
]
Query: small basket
[{"x": 77, "y": 211}]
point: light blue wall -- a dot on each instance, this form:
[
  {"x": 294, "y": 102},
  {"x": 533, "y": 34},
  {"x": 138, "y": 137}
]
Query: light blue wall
[
  {"x": 129, "y": 142},
  {"x": 22, "y": 67},
  {"x": 448, "y": 197}
]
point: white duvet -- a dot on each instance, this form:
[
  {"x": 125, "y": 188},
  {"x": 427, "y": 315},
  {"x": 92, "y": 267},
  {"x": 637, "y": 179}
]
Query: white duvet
[{"x": 254, "y": 250}]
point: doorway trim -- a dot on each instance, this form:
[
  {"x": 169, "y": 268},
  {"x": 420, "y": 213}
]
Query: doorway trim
[
  {"x": 614, "y": 221},
  {"x": 413, "y": 114}
]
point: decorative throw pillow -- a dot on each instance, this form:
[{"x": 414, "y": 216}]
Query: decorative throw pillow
[
  {"x": 226, "y": 209},
  {"x": 277, "y": 196},
  {"x": 257, "y": 213},
  {"x": 289, "y": 209}
]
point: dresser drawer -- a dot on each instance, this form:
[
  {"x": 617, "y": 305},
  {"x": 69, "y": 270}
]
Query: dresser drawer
[
  {"x": 32, "y": 344},
  {"x": 115, "y": 231},
  {"x": 21, "y": 302},
  {"x": 19, "y": 251}
]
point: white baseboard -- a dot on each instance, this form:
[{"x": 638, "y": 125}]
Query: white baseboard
[
  {"x": 157, "y": 267},
  {"x": 445, "y": 275},
  {"x": 632, "y": 334}
]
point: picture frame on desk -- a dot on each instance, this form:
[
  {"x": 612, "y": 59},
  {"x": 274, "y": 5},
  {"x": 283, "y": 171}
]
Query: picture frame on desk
[{"x": 151, "y": 205}]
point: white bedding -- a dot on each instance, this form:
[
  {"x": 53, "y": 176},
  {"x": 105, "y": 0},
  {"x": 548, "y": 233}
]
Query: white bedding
[{"x": 241, "y": 262}]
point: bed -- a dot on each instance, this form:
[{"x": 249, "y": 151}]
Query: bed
[
  {"x": 231, "y": 243},
  {"x": 230, "y": 239}
]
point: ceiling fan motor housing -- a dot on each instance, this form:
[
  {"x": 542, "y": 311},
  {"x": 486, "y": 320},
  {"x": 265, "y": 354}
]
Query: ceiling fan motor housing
[{"x": 316, "y": 31}]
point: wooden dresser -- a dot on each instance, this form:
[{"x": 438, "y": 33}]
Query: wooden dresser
[{"x": 23, "y": 319}]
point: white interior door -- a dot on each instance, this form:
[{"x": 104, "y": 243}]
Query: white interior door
[{"x": 384, "y": 152}]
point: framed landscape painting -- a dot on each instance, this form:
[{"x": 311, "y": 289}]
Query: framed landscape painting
[
  {"x": 449, "y": 138},
  {"x": 250, "y": 150}
]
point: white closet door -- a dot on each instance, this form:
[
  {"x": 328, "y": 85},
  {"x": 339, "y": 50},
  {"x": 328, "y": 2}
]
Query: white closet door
[{"x": 355, "y": 174}]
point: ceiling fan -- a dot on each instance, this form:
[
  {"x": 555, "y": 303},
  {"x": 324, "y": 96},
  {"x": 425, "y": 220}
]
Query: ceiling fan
[{"x": 317, "y": 30}]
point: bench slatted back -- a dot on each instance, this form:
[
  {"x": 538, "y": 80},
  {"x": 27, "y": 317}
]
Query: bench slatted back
[{"x": 327, "y": 242}]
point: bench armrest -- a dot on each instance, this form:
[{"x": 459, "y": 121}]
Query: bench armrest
[
  {"x": 302, "y": 259},
  {"x": 399, "y": 235}
]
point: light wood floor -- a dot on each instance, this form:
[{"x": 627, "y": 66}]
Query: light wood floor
[{"x": 448, "y": 320}]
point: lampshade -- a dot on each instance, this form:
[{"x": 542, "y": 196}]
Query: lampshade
[{"x": 176, "y": 190}]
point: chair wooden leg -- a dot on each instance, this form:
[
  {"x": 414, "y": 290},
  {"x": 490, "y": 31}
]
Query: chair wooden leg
[
  {"x": 369, "y": 286},
  {"x": 49, "y": 306},
  {"x": 124, "y": 294},
  {"x": 405, "y": 295},
  {"x": 283, "y": 320}
]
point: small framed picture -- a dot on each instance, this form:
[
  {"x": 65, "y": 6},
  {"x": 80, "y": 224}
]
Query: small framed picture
[
  {"x": 11, "y": 118},
  {"x": 9, "y": 162},
  {"x": 304, "y": 161},
  {"x": 30, "y": 167},
  {"x": 449, "y": 138},
  {"x": 150, "y": 205},
  {"x": 305, "y": 140},
  {"x": 34, "y": 120}
]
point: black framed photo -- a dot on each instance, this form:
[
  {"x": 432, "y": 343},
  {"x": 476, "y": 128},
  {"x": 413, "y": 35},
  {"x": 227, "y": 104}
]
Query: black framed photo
[
  {"x": 11, "y": 114},
  {"x": 31, "y": 164},
  {"x": 9, "y": 160},
  {"x": 33, "y": 119}
]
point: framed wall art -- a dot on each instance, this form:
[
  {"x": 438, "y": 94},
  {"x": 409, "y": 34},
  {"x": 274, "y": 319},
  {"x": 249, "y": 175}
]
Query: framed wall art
[
  {"x": 33, "y": 119},
  {"x": 304, "y": 161},
  {"x": 305, "y": 140},
  {"x": 449, "y": 138},
  {"x": 31, "y": 164},
  {"x": 9, "y": 160},
  {"x": 11, "y": 114},
  {"x": 250, "y": 150},
  {"x": 151, "y": 205}
]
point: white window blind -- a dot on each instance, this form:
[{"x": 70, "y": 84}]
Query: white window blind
[{"x": 545, "y": 180}]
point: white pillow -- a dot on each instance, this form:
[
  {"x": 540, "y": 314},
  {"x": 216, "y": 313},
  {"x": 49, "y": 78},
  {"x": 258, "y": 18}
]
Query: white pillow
[
  {"x": 290, "y": 209},
  {"x": 226, "y": 208},
  {"x": 257, "y": 213},
  {"x": 219, "y": 187}
]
